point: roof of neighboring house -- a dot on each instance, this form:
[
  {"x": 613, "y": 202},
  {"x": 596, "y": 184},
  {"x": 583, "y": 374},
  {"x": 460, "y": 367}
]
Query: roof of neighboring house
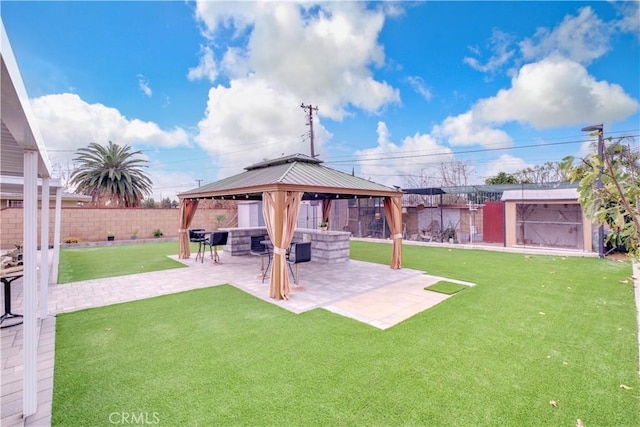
[
  {"x": 65, "y": 196},
  {"x": 296, "y": 172},
  {"x": 488, "y": 188},
  {"x": 561, "y": 194}
]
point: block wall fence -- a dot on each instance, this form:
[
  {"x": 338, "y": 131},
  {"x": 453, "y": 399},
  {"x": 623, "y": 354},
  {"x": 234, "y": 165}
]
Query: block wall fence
[{"x": 93, "y": 224}]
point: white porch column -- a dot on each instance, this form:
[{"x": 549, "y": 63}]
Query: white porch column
[
  {"x": 56, "y": 236},
  {"x": 30, "y": 283},
  {"x": 44, "y": 248}
]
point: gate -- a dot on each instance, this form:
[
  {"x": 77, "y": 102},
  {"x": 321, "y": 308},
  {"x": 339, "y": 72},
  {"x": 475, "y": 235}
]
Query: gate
[{"x": 493, "y": 222}]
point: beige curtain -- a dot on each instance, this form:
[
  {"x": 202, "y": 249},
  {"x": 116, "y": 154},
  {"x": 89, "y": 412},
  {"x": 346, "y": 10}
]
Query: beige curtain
[
  {"x": 326, "y": 210},
  {"x": 187, "y": 211},
  {"x": 393, "y": 212},
  {"x": 280, "y": 210}
]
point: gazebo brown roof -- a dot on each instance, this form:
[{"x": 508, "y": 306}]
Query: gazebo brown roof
[
  {"x": 296, "y": 172},
  {"x": 281, "y": 184}
]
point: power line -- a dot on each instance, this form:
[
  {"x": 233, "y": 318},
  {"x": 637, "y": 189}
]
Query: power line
[{"x": 477, "y": 150}]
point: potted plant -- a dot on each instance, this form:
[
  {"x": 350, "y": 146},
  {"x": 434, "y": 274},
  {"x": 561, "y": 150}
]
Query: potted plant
[
  {"x": 110, "y": 236},
  {"x": 134, "y": 235},
  {"x": 220, "y": 219},
  {"x": 157, "y": 233},
  {"x": 450, "y": 234},
  {"x": 324, "y": 225}
]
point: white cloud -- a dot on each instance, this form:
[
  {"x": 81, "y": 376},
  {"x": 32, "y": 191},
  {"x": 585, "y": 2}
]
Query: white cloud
[
  {"x": 250, "y": 121},
  {"x": 288, "y": 44},
  {"x": 505, "y": 163},
  {"x": 207, "y": 67},
  {"x": 469, "y": 129},
  {"x": 169, "y": 184},
  {"x": 235, "y": 63},
  {"x": 556, "y": 92},
  {"x": 393, "y": 162},
  {"x": 144, "y": 86},
  {"x": 323, "y": 56},
  {"x": 285, "y": 54},
  {"x": 581, "y": 38},
  {"x": 417, "y": 83},
  {"x": 499, "y": 44},
  {"x": 238, "y": 15},
  {"x": 630, "y": 20},
  {"x": 553, "y": 92},
  {"x": 67, "y": 123}
]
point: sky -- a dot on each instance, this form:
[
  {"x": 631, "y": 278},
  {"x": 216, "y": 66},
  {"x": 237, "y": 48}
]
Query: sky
[{"x": 207, "y": 88}]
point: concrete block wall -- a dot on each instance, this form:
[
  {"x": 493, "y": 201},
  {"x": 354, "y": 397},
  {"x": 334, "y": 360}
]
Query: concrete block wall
[
  {"x": 329, "y": 247},
  {"x": 326, "y": 246},
  {"x": 239, "y": 241},
  {"x": 93, "y": 224}
]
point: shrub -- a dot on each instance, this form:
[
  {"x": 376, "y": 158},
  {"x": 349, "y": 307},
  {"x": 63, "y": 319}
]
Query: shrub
[
  {"x": 157, "y": 233},
  {"x": 72, "y": 240}
]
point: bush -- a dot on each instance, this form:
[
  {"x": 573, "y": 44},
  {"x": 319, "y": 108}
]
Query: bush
[
  {"x": 157, "y": 233},
  {"x": 72, "y": 240}
]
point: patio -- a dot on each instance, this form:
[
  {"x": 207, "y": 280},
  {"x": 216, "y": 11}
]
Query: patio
[{"x": 376, "y": 295}]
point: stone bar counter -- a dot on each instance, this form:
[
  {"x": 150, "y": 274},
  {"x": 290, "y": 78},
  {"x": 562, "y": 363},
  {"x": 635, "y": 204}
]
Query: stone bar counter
[{"x": 326, "y": 246}]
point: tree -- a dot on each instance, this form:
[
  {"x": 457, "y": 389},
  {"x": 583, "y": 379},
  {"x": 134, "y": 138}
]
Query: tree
[
  {"x": 111, "y": 175},
  {"x": 165, "y": 203},
  {"x": 149, "y": 203},
  {"x": 615, "y": 202},
  {"x": 501, "y": 178},
  {"x": 540, "y": 174},
  {"x": 455, "y": 173}
]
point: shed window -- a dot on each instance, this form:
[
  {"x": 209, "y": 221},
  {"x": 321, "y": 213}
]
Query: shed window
[{"x": 549, "y": 225}]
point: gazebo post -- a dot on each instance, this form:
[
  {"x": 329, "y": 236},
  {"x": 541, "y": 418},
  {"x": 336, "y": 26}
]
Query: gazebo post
[{"x": 276, "y": 288}]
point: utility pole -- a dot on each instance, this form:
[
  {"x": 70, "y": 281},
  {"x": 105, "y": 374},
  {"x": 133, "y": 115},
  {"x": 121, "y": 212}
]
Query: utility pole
[
  {"x": 311, "y": 109},
  {"x": 198, "y": 181},
  {"x": 598, "y": 130}
]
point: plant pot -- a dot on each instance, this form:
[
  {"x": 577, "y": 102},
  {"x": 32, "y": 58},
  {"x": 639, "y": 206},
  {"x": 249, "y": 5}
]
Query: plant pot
[
  {"x": 110, "y": 238},
  {"x": 134, "y": 237}
]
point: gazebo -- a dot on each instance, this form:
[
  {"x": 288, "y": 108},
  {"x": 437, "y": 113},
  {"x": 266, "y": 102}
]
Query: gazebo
[{"x": 282, "y": 184}]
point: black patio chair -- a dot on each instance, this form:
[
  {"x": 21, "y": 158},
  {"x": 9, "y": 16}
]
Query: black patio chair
[
  {"x": 261, "y": 249},
  {"x": 297, "y": 254},
  {"x": 217, "y": 238},
  {"x": 196, "y": 235}
]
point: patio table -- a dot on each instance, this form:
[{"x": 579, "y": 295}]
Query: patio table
[{"x": 8, "y": 275}]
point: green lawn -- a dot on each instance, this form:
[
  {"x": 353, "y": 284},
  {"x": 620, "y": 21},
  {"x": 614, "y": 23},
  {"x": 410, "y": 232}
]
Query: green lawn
[
  {"x": 533, "y": 330},
  {"x": 96, "y": 262}
]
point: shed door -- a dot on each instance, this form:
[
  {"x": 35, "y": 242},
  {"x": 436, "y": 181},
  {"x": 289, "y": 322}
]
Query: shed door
[{"x": 493, "y": 222}]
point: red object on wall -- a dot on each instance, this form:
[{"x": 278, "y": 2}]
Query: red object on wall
[{"x": 493, "y": 222}]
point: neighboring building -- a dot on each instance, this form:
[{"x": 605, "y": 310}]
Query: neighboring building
[{"x": 14, "y": 200}]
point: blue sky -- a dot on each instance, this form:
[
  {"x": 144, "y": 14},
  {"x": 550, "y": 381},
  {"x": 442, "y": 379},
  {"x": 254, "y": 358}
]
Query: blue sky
[{"x": 403, "y": 88}]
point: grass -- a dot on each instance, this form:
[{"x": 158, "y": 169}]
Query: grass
[
  {"x": 118, "y": 260},
  {"x": 444, "y": 287},
  {"x": 534, "y": 329}
]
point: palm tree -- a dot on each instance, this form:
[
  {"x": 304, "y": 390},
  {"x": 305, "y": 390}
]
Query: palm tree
[{"x": 111, "y": 175}]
